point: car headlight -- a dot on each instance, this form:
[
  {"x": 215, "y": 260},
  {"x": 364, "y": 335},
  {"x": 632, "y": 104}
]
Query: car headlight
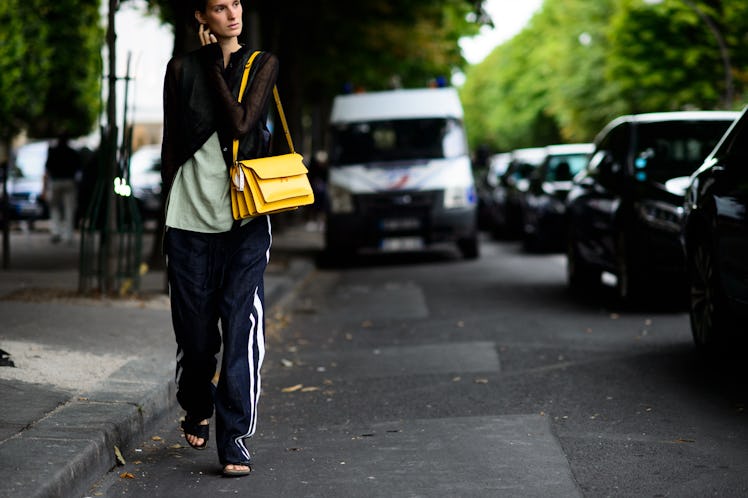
[
  {"x": 340, "y": 199},
  {"x": 459, "y": 197},
  {"x": 660, "y": 215}
]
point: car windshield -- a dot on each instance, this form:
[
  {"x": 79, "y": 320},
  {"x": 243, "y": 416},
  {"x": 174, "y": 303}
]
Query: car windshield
[
  {"x": 396, "y": 140},
  {"x": 562, "y": 168},
  {"x": 673, "y": 149}
]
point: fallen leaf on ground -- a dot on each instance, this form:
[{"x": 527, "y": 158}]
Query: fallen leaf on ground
[
  {"x": 309, "y": 389},
  {"x": 118, "y": 456},
  {"x": 292, "y": 389},
  {"x": 156, "y": 438},
  {"x": 286, "y": 363},
  {"x": 127, "y": 475},
  {"x": 481, "y": 381}
]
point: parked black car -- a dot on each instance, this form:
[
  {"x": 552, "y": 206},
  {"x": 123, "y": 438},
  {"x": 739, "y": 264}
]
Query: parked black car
[
  {"x": 715, "y": 241},
  {"x": 625, "y": 208},
  {"x": 512, "y": 184},
  {"x": 497, "y": 165},
  {"x": 544, "y": 203},
  {"x": 145, "y": 179}
]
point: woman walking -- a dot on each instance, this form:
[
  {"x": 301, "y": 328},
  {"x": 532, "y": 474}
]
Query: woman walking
[{"x": 216, "y": 265}]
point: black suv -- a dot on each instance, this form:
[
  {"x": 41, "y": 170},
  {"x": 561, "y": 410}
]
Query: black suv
[
  {"x": 624, "y": 210},
  {"x": 715, "y": 241}
]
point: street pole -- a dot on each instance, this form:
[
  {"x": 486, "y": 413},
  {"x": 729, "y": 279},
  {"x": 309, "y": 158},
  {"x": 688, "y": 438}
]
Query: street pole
[
  {"x": 108, "y": 244},
  {"x": 5, "y": 206}
]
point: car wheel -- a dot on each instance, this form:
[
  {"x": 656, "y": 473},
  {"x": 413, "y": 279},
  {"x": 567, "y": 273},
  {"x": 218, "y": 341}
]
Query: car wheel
[
  {"x": 629, "y": 285},
  {"x": 580, "y": 276},
  {"x": 708, "y": 310},
  {"x": 530, "y": 239}
]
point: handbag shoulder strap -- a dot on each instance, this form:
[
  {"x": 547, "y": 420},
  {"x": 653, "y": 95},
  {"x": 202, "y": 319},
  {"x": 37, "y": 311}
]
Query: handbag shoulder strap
[
  {"x": 276, "y": 96},
  {"x": 282, "y": 117}
]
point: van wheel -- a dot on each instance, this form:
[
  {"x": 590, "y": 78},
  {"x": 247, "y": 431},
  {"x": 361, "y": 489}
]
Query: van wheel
[
  {"x": 469, "y": 247},
  {"x": 335, "y": 257},
  {"x": 335, "y": 253}
]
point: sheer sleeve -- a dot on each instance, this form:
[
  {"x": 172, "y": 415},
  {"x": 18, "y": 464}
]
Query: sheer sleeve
[
  {"x": 170, "y": 143},
  {"x": 240, "y": 118}
]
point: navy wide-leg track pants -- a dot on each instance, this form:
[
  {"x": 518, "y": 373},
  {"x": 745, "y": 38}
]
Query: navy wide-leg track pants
[{"x": 217, "y": 278}]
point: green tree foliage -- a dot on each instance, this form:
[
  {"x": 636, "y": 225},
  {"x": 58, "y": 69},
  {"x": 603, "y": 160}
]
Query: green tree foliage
[
  {"x": 327, "y": 45},
  {"x": 505, "y": 101},
  {"x": 73, "y": 44},
  {"x": 579, "y": 63},
  {"x": 667, "y": 55},
  {"x": 49, "y": 67},
  {"x": 24, "y": 63},
  {"x": 574, "y": 50}
]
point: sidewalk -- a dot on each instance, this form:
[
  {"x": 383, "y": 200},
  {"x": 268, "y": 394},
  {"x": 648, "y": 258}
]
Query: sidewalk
[{"x": 91, "y": 374}]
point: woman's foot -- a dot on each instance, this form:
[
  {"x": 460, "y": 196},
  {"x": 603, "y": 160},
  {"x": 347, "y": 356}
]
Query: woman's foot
[
  {"x": 236, "y": 470},
  {"x": 196, "y": 434}
]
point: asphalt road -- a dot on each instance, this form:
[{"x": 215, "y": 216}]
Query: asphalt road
[{"x": 427, "y": 375}]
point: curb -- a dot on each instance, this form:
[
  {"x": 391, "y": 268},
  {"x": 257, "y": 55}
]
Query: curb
[{"x": 66, "y": 452}]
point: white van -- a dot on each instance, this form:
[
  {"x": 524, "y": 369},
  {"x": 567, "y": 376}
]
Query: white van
[{"x": 400, "y": 176}]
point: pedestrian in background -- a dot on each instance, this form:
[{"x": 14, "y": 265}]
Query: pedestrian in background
[
  {"x": 215, "y": 265},
  {"x": 61, "y": 189}
]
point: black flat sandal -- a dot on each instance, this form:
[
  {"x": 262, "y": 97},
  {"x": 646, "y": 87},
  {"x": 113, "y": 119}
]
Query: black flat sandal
[{"x": 195, "y": 428}]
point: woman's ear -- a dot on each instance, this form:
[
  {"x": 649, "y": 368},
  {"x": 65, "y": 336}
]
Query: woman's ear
[{"x": 199, "y": 17}]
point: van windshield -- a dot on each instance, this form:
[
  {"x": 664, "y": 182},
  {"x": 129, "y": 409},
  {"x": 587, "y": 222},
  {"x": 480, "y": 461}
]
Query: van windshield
[{"x": 397, "y": 140}]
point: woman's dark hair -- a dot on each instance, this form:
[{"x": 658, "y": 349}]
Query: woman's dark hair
[{"x": 200, "y": 5}]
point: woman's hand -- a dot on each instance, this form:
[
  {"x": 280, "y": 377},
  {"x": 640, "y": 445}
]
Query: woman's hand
[{"x": 206, "y": 37}]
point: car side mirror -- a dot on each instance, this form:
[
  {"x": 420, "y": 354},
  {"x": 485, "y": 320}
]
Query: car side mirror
[
  {"x": 536, "y": 181},
  {"x": 609, "y": 170}
]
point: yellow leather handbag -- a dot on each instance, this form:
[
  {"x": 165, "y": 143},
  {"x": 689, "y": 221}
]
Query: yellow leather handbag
[{"x": 270, "y": 184}]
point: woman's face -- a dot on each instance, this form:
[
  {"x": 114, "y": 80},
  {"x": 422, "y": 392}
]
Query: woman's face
[{"x": 222, "y": 17}]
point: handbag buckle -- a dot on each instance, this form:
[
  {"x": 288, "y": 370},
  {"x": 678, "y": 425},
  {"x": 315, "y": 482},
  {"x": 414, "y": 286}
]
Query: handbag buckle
[{"x": 237, "y": 177}]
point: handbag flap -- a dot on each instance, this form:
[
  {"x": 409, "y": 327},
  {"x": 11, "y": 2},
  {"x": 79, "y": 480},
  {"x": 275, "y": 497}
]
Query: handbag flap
[
  {"x": 283, "y": 189},
  {"x": 276, "y": 166}
]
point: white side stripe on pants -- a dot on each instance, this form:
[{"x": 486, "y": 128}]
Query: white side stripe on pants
[{"x": 256, "y": 332}]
